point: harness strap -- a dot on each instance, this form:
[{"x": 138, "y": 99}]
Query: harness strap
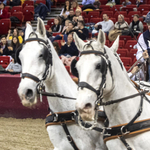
[
  {"x": 125, "y": 143},
  {"x": 30, "y": 76},
  {"x": 69, "y": 137},
  {"x": 135, "y": 128}
]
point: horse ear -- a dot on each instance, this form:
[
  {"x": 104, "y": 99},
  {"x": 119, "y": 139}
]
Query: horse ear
[
  {"x": 115, "y": 45},
  {"x": 28, "y": 31},
  {"x": 41, "y": 27},
  {"x": 79, "y": 43},
  {"x": 101, "y": 38}
]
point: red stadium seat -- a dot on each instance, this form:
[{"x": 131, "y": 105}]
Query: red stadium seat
[
  {"x": 86, "y": 20},
  {"x": 84, "y": 14},
  {"x": 127, "y": 61},
  {"x": 50, "y": 22},
  {"x": 145, "y": 12},
  {"x": 16, "y": 9},
  {"x": 5, "y": 25},
  {"x": 47, "y": 27},
  {"x": 59, "y": 43},
  {"x": 20, "y": 16},
  {"x": 125, "y": 38},
  {"x": 127, "y": 20},
  {"x": 141, "y": 9},
  {"x": 40, "y": 1},
  {"x": 145, "y": 28},
  {"x": 122, "y": 52},
  {"x": 127, "y": 9},
  {"x": 124, "y": 13},
  {"x": 109, "y": 13},
  {"x": 68, "y": 69},
  {"x": 103, "y": 2},
  {"x": 113, "y": 19},
  {"x": 28, "y": 13},
  {"x": 95, "y": 20},
  {"x": 121, "y": 44},
  {"x": 131, "y": 6},
  {"x": 132, "y": 54},
  {"x": 127, "y": 67},
  {"x": 132, "y": 13},
  {"x": 130, "y": 43},
  {"x": 104, "y": 7},
  {"x": 7, "y": 8},
  {"x": 107, "y": 43},
  {"x": 4, "y": 61},
  {"x": 93, "y": 14},
  {"x": 28, "y": 3}
]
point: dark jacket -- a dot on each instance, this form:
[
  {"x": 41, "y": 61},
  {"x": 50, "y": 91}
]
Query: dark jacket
[
  {"x": 56, "y": 28},
  {"x": 5, "y": 50},
  {"x": 70, "y": 17},
  {"x": 15, "y": 3},
  {"x": 83, "y": 35},
  {"x": 71, "y": 50}
]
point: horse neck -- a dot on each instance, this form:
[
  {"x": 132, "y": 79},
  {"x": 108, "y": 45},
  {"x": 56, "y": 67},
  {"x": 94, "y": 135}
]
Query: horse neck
[
  {"x": 61, "y": 83},
  {"x": 121, "y": 112}
]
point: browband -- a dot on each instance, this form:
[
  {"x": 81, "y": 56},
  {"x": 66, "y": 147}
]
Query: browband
[{"x": 91, "y": 52}]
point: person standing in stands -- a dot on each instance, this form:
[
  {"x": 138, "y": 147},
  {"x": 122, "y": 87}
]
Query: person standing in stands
[
  {"x": 15, "y": 33},
  {"x": 3, "y": 46},
  {"x": 14, "y": 46},
  {"x": 75, "y": 6},
  {"x": 3, "y": 12},
  {"x": 144, "y": 42},
  {"x": 14, "y": 3}
]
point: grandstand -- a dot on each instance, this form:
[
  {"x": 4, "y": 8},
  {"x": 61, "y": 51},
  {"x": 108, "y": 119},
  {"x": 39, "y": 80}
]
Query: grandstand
[{"x": 25, "y": 13}]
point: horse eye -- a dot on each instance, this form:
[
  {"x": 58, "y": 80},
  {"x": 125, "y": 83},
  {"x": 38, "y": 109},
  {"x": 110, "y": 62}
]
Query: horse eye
[
  {"x": 98, "y": 66},
  {"x": 41, "y": 55}
]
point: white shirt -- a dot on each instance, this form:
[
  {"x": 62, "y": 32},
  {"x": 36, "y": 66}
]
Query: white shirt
[{"x": 143, "y": 45}]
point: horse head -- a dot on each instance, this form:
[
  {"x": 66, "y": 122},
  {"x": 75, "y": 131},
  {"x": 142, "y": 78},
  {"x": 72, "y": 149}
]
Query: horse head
[
  {"x": 35, "y": 58},
  {"x": 95, "y": 74}
]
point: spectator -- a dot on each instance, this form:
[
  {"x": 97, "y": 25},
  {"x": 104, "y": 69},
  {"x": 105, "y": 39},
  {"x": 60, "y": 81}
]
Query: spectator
[
  {"x": 56, "y": 47},
  {"x": 56, "y": 28},
  {"x": 88, "y": 4},
  {"x": 107, "y": 25},
  {"x": 136, "y": 26},
  {"x": 97, "y": 4},
  {"x": 14, "y": 45},
  {"x": 75, "y": 6},
  {"x": 71, "y": 15},
  {"x": 126, "y": 3},
  {"x": 3, "y": 46},
  {"x": 66, "y": 26},
  {"x": 82, "y": 32},
  {"x": 15, "y": 33},
  {"x": 69, "y": 47},
  {"x": 65, "y": 11},
  {"x": 14, "y": 3},
  {"x": 75, "y": 18},
  {"x": 121, "y": 28},
  {"x": 65, "y": 33},
  {"x": 144, "y": 44},
  {"x": 14, "y": 66},
  {"x": 121, "y": 24},
  {"x": 111, "y": 3},
  {"x": 3, "y": 12}
]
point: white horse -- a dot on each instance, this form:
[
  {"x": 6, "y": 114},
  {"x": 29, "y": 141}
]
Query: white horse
[
  {"x": 59, "y": 81},
  {"x": 117, "y": 86}
]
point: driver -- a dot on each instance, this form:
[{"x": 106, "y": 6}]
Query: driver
[{"x": 144, "y": 42}]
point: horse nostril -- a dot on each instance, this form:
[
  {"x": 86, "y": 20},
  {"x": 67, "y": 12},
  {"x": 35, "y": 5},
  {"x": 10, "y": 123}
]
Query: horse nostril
[
  {"x": 88, "y": 105},
  {"x": 29, "y": 93}
]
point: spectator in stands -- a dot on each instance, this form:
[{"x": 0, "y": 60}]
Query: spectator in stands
[
  {"x": 126, "y": 3},
  {"x": 88, "y": 4},
  {"x": 69, "y": 47},
  {"x": 3, "y": 46},
  {"x": 14, "y": 3},
  {"x": 15, "y": 33},
  {"x": 56, "y": 28},
  {"x": 56, "y": 46},
  {"x": 75, "y": 18},
  {"x": 136, "y": 26},
  {"x": 139, "y": 2},
  {"x": 144, "y": 44},
  {"x": 68, "y": 30},
  {"x": 3, "y": 12},
  {"x": 65, "y": 11},
  {"x": 14, "y": 66},
  {"x": 75, "y": 6},
  {"x": 14, "y": 45},
  {"x": 71, "y": 15},
  {"x": 66, "y": 26},
  {"x": 81, "y": 31},
  {"x": 106, "y": 25}
]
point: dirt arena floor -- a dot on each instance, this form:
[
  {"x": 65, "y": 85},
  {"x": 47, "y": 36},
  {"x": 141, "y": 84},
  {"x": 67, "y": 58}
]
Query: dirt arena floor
[{"x": 23, "y": 134}]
